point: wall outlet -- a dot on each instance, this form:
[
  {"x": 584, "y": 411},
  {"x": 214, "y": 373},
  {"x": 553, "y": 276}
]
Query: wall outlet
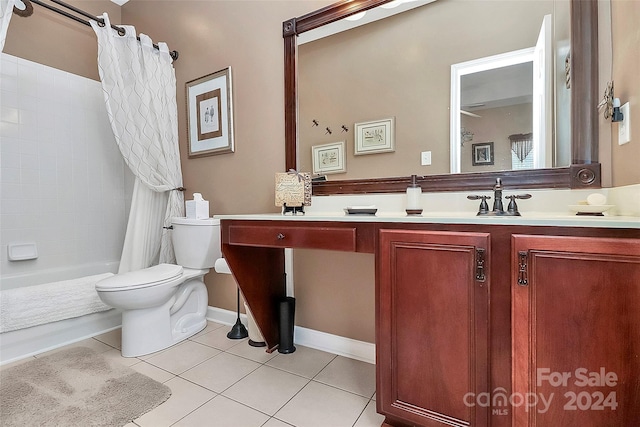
[
  {"x": 425, "y": 158},
  {"x": 624, "y": 127}
]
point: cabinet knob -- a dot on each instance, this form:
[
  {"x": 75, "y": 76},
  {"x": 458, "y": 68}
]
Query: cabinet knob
[{"x": 280, "y": 236}]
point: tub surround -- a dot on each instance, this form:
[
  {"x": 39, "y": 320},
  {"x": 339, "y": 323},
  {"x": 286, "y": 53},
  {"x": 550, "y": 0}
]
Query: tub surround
[
  {"x": 64, "y": 183},
  {"x": 28, "y": 341},
  {"x": 50, "y": 302},
  {"x": 22, "y": 343}
]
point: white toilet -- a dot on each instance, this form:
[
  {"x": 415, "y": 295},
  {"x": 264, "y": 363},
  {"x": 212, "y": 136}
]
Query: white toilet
[{"x": 165, "y": 304}]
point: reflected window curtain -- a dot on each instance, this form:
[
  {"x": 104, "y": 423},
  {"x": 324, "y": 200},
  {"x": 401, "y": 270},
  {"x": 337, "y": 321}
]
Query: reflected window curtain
[
  {"x": 521, "y": 145},
  {"x": 139, "y": 87},
  {"x": 6, "y": 10}
]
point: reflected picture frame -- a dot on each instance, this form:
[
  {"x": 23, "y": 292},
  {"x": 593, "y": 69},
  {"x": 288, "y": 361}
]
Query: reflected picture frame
[
  {"x": 210, "y": 114},
  {"x": 329, "y": 158},
  {"x": 482, "y": 154},
  {"x": 375, "y": 137}
]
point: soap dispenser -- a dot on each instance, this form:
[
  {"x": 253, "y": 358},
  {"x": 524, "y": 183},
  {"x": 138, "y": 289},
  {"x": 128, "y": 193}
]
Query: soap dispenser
[{"x": 414, "y": 191}]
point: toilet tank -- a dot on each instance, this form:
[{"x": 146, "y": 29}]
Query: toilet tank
[{"x": 196, "y": 242}]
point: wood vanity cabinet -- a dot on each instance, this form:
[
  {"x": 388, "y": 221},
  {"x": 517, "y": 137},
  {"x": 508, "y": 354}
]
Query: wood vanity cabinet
[
  {"x": 550, "y": 338},
  {"x": 478, "y": 324},
  {"x": 576, "y": 331},
  {"x": 432, "y": 326}
]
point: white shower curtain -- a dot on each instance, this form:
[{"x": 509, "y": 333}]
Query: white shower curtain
[
  {"x": 140, "y": 92},
  {"x": 6, "y": 10}
]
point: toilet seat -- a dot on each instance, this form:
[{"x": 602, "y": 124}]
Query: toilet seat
[{"x": 139, "y": 279}]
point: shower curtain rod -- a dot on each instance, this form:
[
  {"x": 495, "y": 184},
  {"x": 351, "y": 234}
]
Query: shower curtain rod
[{"x": 120, "y": 30}]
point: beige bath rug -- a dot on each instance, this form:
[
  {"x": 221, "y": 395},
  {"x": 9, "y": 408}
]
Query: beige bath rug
[{"x": 76, "y": 387}]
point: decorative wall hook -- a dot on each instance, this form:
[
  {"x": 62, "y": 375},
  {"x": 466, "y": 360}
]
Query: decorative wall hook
[
  {"x": 610, "y": 105},
  {"x": 606, "y": 103},
  {"x": 328, "y": 131},
  {"x": 315, "y": 122},
  {"x": 345, "y": 129}
]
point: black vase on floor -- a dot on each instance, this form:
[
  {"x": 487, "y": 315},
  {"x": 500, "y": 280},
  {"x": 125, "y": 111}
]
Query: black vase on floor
[{"x": 286, "y": 314}]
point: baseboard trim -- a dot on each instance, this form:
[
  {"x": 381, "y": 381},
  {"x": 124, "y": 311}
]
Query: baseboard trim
[
  {"x": 347, "y": 347},
  {"x": 226, "y": 317}
]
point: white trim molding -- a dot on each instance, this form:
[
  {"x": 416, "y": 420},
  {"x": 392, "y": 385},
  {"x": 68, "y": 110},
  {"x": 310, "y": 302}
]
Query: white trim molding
[{"x": 342, "y": 346}]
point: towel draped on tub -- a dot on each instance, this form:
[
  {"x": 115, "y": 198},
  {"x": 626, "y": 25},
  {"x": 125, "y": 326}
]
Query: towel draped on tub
[{"x": 36, "y": 305}]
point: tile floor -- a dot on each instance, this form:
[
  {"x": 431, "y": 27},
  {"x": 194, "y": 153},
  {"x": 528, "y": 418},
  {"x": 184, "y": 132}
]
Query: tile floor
[{"x": 216, "y": 381}]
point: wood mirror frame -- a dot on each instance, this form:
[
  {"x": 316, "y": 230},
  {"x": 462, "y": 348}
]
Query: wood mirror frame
[{"x": 584, "y": 171}]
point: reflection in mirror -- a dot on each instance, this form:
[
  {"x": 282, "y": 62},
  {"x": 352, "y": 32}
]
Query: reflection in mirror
[
  {"x": 428, "y": 106},
  {"x": 491, "y": 99},
  {"x": 507, "y": 99},
  {"x": 400, "y": 67}
]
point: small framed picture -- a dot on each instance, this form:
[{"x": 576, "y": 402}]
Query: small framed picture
[
  {"x": 293, "y": 189},
  {"x": 482, "y": 154},
  {"x": 329, "y": 158},
  {"x": 375, "y": 137},
  {"x": 210, "y": 114}
]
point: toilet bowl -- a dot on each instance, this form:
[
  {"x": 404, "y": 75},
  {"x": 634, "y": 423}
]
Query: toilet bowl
[{"x": 167, "y": 303}]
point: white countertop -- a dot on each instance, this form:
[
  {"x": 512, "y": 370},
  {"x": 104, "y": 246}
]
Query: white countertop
[
  {"x": 530, "y": 218},
  {"x": 545, "y": 208}
]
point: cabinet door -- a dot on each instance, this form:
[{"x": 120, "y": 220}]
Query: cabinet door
[
  {"x": 432, "y": 332},
  {"x": 576, "y": 331}
]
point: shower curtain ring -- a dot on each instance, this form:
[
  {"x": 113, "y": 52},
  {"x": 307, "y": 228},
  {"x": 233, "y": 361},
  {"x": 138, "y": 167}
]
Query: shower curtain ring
[{"x": 27, "y": 11}]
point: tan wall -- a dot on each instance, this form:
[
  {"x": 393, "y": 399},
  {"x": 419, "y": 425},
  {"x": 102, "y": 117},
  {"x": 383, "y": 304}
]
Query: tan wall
[
  {"x": 626, "y": 65},
  {"x": 246, "y": 35},
  {"x": 53, "y": 40},
  {"x": 335, "y": 293}
]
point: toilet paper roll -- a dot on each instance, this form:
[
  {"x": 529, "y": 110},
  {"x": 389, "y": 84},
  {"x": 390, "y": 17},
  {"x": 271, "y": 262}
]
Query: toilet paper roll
[{"x": 221, "y": 266}]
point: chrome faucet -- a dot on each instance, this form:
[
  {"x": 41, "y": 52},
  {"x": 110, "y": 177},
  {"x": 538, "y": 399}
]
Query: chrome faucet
[{"x": 498, "y": 209}]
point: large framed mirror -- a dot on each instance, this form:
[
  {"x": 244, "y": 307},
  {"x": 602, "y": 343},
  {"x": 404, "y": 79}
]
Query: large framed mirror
[{"x": 583, "y": 171}]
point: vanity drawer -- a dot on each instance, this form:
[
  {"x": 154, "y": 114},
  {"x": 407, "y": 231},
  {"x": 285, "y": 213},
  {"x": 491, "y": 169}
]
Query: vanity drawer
[{"x": 330, "y": 238}]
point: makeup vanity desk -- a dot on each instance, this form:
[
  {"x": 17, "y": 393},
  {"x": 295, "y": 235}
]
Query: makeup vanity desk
[{"x": 468, "y": 305}]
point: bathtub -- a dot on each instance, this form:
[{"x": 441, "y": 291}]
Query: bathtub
[{"x": 21, "y": 343}]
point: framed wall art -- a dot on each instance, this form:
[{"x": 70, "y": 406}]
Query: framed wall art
[
  {"x": 293, "y": 189},
  {"x": 329, "y": 158},
  {"x": 375, "y": 137},
  {"x": 210, "y": 114},
  {"x": 482, "y": 154}
]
